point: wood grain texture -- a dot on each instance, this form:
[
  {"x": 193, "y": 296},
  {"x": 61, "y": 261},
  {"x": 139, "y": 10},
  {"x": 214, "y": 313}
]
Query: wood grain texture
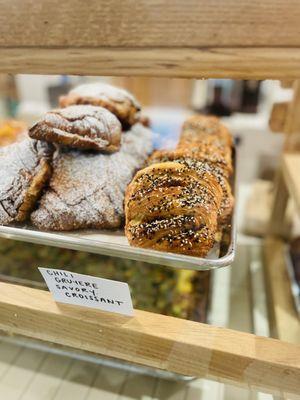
[
  {"x": 258, "y": 208},
  {"x": 239, "y": 63},
  {"x": 149, "y": 23},
  {"x": 151, "y": 339},
  {"x": 278, "y": 117},
  {"x": 287, "y": 83},
  {"x": 175, "y": 38},
  {"x": 279, "y": 224},
  {"x": 291, "y": 168},
  {"x": 285, "y": 322},
  {"x": 292, "y": 124}
]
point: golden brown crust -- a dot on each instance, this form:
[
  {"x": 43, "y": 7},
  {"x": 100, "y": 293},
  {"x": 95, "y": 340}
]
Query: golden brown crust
[
  {"x": 170, "y": 189},
  {"x": 206, "y": 139},
  {"x": 210, "y": 151},
  {"x": 170, "y": 207},
  {"x": 182, "y": 234},
  {"x": 199, "y": 127},
  {"x": 202, "y": 166},
  {"x": 177, "y": 203},
  {"x": 205, "y": 154},
  {"x": 27, "y": 167},
  {"x": 118, "y": 101},
  {"x": 80, "y": 127},
  {"x": 34, "y": 190},
  {"x": 227, "y": 203}
]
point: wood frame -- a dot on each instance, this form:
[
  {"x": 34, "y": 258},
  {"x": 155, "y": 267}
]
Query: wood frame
[
  {"x": 237, "y": 63},
  {"x": 290, "y": 170},
  {"x": 149, "y": 23},
  {"x": 171, "y": 38},
  {"x": 177, "y": 345},
  {"x": 194, "y": 38},
  {"x": 284, "y": 118},
  {"x": 281, "y": 305},
  {"x": 287, "y": 184}
]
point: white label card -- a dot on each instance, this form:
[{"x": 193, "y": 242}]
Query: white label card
[{"x": 88, "y": 291}]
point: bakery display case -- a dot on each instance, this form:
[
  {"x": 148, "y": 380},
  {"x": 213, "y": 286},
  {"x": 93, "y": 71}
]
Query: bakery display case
[
  {"x": 114, "y": 242},
  {"x": 165, "y": 39}
]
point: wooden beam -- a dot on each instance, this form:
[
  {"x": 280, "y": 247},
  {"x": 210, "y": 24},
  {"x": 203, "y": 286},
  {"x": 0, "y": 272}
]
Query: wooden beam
[
  {"x": 285, "y": 321},
  {"x": 278, "y": 117},
  {"x": 149, "y": 23},
  {"x": 291, "y": 169},
  {"x": 194, "y": 38},
  {"x": 287, "y": 83},
  {"x": 292, "y": 124},
  {"x": 258, "y": 208},
  {"x": 239, "y": 63},
  {"x": 279, "y": 224},
  {"x": 155, "y": 340}
]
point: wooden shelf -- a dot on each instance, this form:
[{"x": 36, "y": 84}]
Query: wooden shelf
[
  {"x": 150, "y": 23},
  {"x": 291, "y": 173},
  {"x": 287, "y": 185},
  {"x": 285, "y": 323},
  {"x": 173, "y": 344},
  {"x": 194, "y": 38},
  {"x": 236, "y": 63}
]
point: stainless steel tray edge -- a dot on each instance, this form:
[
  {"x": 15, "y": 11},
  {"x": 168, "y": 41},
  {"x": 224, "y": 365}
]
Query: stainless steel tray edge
[{"x": 152, "y": 256}]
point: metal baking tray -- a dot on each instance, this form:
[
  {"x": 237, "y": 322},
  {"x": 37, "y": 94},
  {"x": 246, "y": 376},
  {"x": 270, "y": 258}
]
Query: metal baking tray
[{"x": 115, "y": 243}]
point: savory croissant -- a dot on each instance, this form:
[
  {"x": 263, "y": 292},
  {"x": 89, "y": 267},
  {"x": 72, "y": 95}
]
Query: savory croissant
[
  {"x": 206, "y": 139},
  {"x": 201, "y": 167},
  {"x": 170, "y": 207},
  {"x": 201, "y": 153},
  {"x": 179, "y": 201},
  {"x": 199, "y": 127}
]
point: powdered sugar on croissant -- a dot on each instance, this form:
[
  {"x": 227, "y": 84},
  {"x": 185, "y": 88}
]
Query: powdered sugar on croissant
[{"x": 81, "y": 127}]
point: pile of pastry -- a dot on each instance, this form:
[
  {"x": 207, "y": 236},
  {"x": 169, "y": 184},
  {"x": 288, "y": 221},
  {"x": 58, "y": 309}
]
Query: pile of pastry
[
  {"x": 73, "y": 169},
  {"x": 179, "y": 202}
]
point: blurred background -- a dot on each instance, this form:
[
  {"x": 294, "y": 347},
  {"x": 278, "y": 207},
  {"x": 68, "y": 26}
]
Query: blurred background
[
  {"x": 234, "y": 297},
  {"x": 244, "y": 105}
]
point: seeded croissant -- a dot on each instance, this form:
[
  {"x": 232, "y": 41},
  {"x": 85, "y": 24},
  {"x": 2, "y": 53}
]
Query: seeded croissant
[
  {"x": 201, "y": 127},
  {"x": 179, "y": 201},
  {"x": 211, "y": 165},
  {"x": 172, "y": 208}
]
